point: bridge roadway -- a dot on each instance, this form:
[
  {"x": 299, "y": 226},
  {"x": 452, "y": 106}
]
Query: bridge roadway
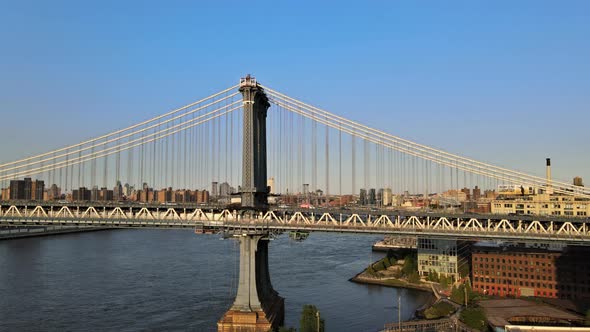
[{"x": 215, "y": 218}]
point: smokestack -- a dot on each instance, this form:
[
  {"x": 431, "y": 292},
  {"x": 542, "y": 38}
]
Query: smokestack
[{"x": 548, "y": 174}]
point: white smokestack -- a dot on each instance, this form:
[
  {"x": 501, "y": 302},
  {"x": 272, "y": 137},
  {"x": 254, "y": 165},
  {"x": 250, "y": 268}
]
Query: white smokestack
[{"x": 548, "y": 174}]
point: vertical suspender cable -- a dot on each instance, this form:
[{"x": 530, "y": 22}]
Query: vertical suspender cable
[
  {"x": 327, "y": 166},
  {"x": 353, "y": 165}
]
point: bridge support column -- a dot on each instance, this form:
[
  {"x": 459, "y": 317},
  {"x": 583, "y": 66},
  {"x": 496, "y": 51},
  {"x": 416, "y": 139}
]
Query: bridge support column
[{"x": 257, "y": 307}]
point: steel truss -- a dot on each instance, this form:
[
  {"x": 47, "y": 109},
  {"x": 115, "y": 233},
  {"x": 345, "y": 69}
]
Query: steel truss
[{"x": 219, "y": 219}]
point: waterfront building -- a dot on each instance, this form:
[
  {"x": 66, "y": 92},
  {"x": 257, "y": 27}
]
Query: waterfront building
[
  {"x": 437, "y": 255},
  {"x": 526, "y": 271},
  {"x": 542, "y": 204}
]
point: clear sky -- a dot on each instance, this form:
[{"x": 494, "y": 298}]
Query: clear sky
[{"x": 507, "y": 82}]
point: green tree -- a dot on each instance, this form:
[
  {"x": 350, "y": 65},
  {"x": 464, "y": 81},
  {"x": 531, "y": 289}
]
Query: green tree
[
  {"x": 474, "y": 318},
  {"x": 433, "y": 276},
  {"x": 309, "y": 319},
  {"x": 410, "y": 265},
  {"x": 386, "y": 262},
  {"x": 458, "y": 295},
  {"x": 438, "y": 310},
  {"x": 414, "y": 277},
  {"x": 444, "y": 281},
  {"x": 463, "y": 269}
]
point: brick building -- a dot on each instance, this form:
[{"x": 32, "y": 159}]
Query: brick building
[{"x": 519, "y": 271}]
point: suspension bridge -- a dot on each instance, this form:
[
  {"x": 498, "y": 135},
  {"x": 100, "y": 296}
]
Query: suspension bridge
[{"x": 168, "y": 163}]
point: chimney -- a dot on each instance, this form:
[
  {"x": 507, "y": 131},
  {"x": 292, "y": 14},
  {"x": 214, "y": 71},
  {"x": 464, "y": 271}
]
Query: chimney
[{"x": 548, "y": 174}]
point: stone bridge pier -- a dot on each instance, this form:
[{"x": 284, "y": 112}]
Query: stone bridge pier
[{"x": 257, "y": 307}]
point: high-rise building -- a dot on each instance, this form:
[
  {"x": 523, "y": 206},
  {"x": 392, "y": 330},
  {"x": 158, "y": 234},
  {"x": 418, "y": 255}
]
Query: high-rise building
[
  {"x": 127, "y": 189},
  {"x": 363, "y": 197},
  {"x": 118, "y": 191},
  {"x": 214, "y": 189},
  {"x": 94, "y": 194},
  {"x": 379, "y": 197},
  {"x": 27, "y": 189},
  {"x": 305, "y": 189},
  {"x": 81, "y": 194},
  {"x": 387, "y": 197},
  {"x": 467, "y": 193},
  {"x": 372, "y": 197},
  {"x": 578, "y": 181},
  {"x": 5, "y": 194},
  {"x": 270, "y": 183},
  {"x": 225, "y": 189},
  {"x": 17, "y": 189},
  {"x": 476, "y": 194},
  {"x": 54, "y": 192}
]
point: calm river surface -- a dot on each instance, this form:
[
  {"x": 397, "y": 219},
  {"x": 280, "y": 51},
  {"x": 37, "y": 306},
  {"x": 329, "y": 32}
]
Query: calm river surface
[{"x": 174, "y": 280}]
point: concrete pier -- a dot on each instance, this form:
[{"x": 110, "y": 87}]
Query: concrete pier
[{"x": 257, "y": 307}]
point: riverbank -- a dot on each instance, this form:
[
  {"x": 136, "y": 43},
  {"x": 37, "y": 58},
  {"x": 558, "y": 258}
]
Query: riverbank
[{"x": 364, "y": 278}]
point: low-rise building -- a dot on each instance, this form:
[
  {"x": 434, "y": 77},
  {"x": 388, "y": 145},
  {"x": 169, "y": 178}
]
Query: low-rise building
[{"x": 542, "y": 204}]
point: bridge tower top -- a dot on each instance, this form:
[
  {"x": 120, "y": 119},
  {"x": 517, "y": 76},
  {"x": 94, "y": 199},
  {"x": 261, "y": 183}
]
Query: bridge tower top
[
  {"x": 254, "y": 191},
  {"x": 248, "y": 81}
]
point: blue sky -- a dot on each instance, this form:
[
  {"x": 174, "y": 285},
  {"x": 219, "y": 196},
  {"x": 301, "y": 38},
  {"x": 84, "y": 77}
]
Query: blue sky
[{"x": 500, "y": 81}]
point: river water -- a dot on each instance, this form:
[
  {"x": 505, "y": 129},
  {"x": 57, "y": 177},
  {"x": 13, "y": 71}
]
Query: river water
[{"x": 174, "y": 280}]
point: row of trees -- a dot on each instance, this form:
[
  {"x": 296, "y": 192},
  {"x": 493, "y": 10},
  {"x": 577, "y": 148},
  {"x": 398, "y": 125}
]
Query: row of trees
[
  {"x": 409, "y": 269},
  {"x": 444, "y": 281}
]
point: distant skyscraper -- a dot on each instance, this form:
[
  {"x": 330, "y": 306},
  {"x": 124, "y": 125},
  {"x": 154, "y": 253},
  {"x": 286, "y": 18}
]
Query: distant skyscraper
[
  {"x": 214, "y": 189},
  {"x": 363, "y": 197},
  {"x": 94, "y": 194},
  {"x": 271, "y": 184},
  {"x": 225, "y": 189},
  {"x": 127, "y": 190},
  {"x": 387, "y": 197},
  {"x": 372, "y": 199},
  {"x": 118, "y": 191}
]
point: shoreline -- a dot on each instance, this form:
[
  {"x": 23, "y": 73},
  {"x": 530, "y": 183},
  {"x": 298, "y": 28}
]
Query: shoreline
[{"x": 395, "y": 283}]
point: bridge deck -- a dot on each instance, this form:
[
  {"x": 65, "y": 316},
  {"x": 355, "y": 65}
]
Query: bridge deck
[{"x": 572, "y": 230}]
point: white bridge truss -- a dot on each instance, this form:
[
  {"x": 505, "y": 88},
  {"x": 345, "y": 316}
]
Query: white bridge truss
[{"x": 573, "y": 231}]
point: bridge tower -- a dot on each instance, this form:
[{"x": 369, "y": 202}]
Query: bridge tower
[
  {"x": 254, "y": 192},
  {"x": 257, "y": 307}
]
